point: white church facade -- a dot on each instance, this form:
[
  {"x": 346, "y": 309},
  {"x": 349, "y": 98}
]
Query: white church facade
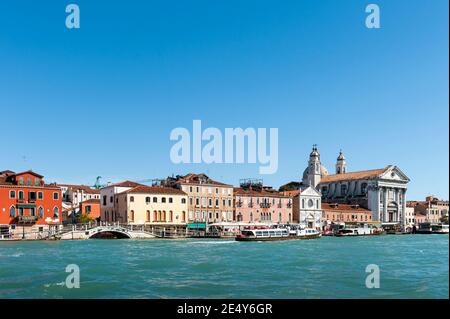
[{"x": 383, "y": 191}]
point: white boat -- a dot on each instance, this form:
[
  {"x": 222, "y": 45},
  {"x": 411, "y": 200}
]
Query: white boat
[
  {"x": 269, "y": 234},
  {"x": 307, "y": 233},
  {"x": 439, "y": 229}
]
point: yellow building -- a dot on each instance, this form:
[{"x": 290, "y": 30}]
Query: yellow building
[
  {"x": 209, "y": 201},
  {"x": 153, "y": 205}
]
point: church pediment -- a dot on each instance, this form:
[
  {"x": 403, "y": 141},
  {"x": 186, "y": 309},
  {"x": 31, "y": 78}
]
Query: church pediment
[
  {"x": 310, "y": 191},
  {"x": 393, "y": 173}
]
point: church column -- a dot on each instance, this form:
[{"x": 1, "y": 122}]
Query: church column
[
  {"x": 403, "y": 207},
  {"x": 385, "y": 199}
]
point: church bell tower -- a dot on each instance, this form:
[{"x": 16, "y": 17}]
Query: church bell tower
[
  {"x": 341, "y": 165},
  {"x": 314, "y": 166}
]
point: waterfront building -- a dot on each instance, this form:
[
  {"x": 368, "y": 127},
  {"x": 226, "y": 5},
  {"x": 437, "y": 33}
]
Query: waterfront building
[
  {"x": 434, "y": 209},
  {"x": 109, "y": 211},
  {"x": 90, "y": 208},
  {"x": 209, "y": 201},
  {"x": 72, "y": 197},
  {"x": 345, "y": 213},
  {"x": 255, "y": 203},
  {"x": 410, "y": 216},
  {"x": 75, "y": 194},
  {"x": 28, "y": 206},
  {"x": 152, "y": 205},
  {"x": 382, "y": 191}
]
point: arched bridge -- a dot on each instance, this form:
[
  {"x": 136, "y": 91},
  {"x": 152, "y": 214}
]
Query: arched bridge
[{"x": 106, "y": 232}]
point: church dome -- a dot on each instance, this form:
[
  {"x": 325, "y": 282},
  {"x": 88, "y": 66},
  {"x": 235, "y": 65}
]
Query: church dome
[{"x": 323, "y": 172}]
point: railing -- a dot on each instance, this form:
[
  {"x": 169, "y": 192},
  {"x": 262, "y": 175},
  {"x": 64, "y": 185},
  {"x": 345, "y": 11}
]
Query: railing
[{"x": 28, "y": 219}]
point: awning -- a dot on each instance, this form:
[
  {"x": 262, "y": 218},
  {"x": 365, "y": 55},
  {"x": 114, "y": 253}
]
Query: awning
[
  {"x": 26, "y": 205},
  {"x": 196, "y": 225}
]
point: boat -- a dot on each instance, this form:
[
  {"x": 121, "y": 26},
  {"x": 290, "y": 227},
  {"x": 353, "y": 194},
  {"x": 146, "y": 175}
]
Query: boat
[
  {"x": 429, "y": 228},
  {"x": 272, "y": 234},
  {"x": 307, "y": 233},
  {"x": 440, "y": 229},
  {"x": 356, "y": 229}
]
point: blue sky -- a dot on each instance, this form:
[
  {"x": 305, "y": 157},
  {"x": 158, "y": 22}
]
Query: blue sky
[{"x": 103, "y": 99}]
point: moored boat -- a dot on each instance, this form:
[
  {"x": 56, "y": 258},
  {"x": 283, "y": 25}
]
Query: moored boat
[{"x": 272, "y": 234}]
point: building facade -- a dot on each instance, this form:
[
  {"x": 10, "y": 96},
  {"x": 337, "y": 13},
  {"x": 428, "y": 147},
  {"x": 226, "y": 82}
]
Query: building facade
[
  {"x": 91, "y": 209},
  {"x": 109, "y": 210},
  {"x": 310, "y": 208},
  {"x": 254, "y": 203},
  {"x": 434, "y": 209},
  {"x": 152, "y": 205},
  {"x": 75, "y": 194},
  {"x": 209, "y": 201},
  {"x": 382, "y": 191},
  {"x": 28, "y": 206},
  {"x": 345, "y": 213}
]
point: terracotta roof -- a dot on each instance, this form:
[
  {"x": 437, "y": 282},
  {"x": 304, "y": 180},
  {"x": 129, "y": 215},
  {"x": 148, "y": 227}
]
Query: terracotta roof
[
  {"x": 84, "y": 188},
  {"x": 344, "y": 208},
  {"x": 142, "y": 189},
  {"x": 29, "y": 172},
  {"x": 370, "y": 174},
  {"x": 126, "y": 184},
  {"x": 292, "y": 193},
  {"x": 196, "y": 179},
  {"x": 263, "y": 193}
]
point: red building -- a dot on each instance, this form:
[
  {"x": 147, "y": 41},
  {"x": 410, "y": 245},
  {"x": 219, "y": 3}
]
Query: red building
[
  {"x": 91, "y": 208},
  {"x": 28, "y": 206}
]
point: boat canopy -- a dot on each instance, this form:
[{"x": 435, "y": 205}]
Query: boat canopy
[{"x": 196, "y": 226}]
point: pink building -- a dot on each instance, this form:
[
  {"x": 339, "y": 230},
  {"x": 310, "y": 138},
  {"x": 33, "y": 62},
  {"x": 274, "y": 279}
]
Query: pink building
[{"x": 254, "y": 203}]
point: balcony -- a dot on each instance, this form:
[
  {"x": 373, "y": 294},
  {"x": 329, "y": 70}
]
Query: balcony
[
  {"x": 264, "y": 205},
  {"x": 27, "y": 219}
]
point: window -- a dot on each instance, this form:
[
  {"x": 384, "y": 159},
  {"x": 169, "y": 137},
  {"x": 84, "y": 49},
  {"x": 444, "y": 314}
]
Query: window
[
  {"x": 56, "y": 211},
  {"x": 20, "y": 211},
  {"x": 111, "y": 199},
  {"x": 163, "y": 200},
  {"x": 36, "y": 181},
  {"x": 55, "y": 196},
  {"x": 40, "y": 195},
  {"x": 155, "y": 199},
  {"x": 31, "y": 196},
  {"x": 364, "y": 188},
  {"x": 104, "y": 200},
  {"x": 303, "y": 203},
  {"x": 170, "y": 200},
  {"x": 21, "y": 180},
  {"x": 132, "y": 199},
  {"x": 12, "y": 194},
  {"x": 147, "y": 200},
  {"x": 12, "y": 212},
  {"x": 32, "y": 211},
  {"x": 21, "y": 196},
  {"x": 183, "y": 201},
  {"x": 343, "y": 190},
  {"x": 41, "y": 212},
  {"x": 88, "y": 209}
]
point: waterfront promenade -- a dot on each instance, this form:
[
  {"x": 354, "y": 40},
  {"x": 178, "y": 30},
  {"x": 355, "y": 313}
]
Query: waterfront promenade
[{"x": 411, "y": 266}]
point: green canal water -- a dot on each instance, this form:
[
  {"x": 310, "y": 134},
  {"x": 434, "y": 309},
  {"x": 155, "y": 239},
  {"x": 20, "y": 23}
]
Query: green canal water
[{"x": 411, "y": 266}]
